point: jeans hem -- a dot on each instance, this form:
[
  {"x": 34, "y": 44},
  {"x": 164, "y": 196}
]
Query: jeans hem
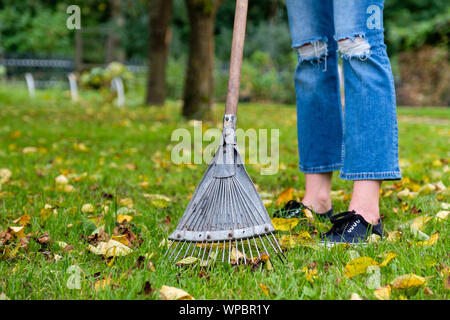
[
  {"x": 388, "y": 175},
  {"x": 320, "y": 169}
]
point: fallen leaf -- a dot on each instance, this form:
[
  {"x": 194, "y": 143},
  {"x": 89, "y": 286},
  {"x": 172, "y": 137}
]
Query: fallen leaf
[
  {"x": 123, "y": 217},
  {"x": 383, "y": 293},
  {"x": 355, "y": 296},
  {"x": 5, "y": 175},
  {"x": 447, "y": 283},
  {"x": 408, "y": 281},
  {"x": 442, "y": 215},
  {"x": 172, "y": 293},
  {"x": 358, "y": 266},
  {"x": 110, "y": 249},
  {"x": 23, "y": 220},
  {"x": 17, "y": 232},
  {"x": 284, "y": 224},
  {"x": 126, "y": 202},
  {"x": 285, "y": 196},
  {"x": 420, "y": 222},
  {"x": 187, "y": 262},
  {"x": 428, "y": 291},
  {"x": 87, "y": 208},
  {"x": 264, "y": 289},
  {"x": 433, "y": 239},
  {"x": 394, "y": 236},
  {"x": 61, "y": 180},
  {"x": 388, "y": 257}
]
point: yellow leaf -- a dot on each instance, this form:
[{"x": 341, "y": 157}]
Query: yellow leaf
[
  {"x": 358, "y": 266},
  {"x": 408, "y": 281},
  {"x": 442, "y": 215},
  {"x": 126, "y": 202},
  {"x": 23, "y": 220},
  {"x": 420, "y": 222},
  {"x": 264, "y": 289},
  {"x": 187, "y": 261},
  {"x": 284, "y": 224},
  {"x": 102, "y": 284},
  {"x": 16, "y": 231},
  {"x": 388, "y": 257},
  {"x": 123, "y": 217},
  {"x": 122, "y": 239},
  {"x": 433, "y": 239},
  {"x": 236, "y": 254},
  {"x": 394, "y": 236},
  {"x": 110, "y": 249},
  {"x": 355, "y": 296},
  {"x": 5, "y": 175},
  {"x": 172, "y": 293},
  {"x": 310, "y": 274},
  {"x": 157, "y": 197},
  {"x": 383, "y": 293},
  {"x": 285, "y": 196},
  {"x": 87, "y": 208}
]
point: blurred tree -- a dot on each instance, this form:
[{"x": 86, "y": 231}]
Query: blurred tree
[
  {"x": 115, "y": 50},
  {"x": 159, "y": 40},
  {"x": 199, "y": 84}
]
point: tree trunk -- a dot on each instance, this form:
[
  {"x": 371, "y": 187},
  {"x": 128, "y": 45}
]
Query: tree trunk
[
  {"x": 114, "y": 50},
  {"x": 159, "y": 40},
  {"x": 199, "y": 84}
]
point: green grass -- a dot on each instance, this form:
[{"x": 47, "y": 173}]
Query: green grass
[{"x": 127, "y": 147}]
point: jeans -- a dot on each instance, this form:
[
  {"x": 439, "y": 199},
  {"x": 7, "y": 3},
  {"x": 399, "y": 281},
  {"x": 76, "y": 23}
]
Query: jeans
[{"x": 362, "y": 140}]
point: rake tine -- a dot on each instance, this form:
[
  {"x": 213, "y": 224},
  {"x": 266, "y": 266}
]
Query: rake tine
[
  {"x": 243, "y": 251},
  {"x": 257, "y": 249},
  {"x": 209, "y": 253},
  {"x": 223, "y": 253},
  {"x": 187, "y": 250},
  {"x": 274, "y": 249},
  {"x": 193, "y": 249},
  {"x": 168, "y": 249},
  {"x": 179, "y": 251},
  {"x": 250, "y": 248},
  {"x": 217, "y": 251},
  {"x": 264, "y": 246},
  {"x": 278, "y": 245},
  {"x": 236, "y": 250},
  {"x": 229, "y": 251},
  {"x": 178, "y": 243},
  {"x": 204, "y": 251},
  {"x": 200, "y": 251}
]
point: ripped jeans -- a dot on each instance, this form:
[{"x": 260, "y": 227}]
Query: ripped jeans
[{"x": 362, "y": 141}]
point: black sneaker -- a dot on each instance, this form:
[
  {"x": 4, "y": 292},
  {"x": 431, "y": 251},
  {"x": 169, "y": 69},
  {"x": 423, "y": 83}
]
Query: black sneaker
[
  {"x": 350, "y": 227},
  {"x": 294, "y": 209}
]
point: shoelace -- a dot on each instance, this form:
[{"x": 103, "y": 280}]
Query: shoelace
[{"x": 340, "y": 221}]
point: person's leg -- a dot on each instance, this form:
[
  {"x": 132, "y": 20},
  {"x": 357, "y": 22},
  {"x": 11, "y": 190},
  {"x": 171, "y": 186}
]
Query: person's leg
[
  {"x": 370, "y": 121},
  {"x": 319, "y": 112}
]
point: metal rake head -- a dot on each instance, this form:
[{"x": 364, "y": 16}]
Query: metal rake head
[{"x": 225, "y": 211}]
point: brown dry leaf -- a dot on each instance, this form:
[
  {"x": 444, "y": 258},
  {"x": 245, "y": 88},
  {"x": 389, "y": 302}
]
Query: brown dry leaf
[
  {"x": 285, "y": 196},
  {"x": 284, "y": 224},
  {"x": 172, "y": 293},
  {"x": 433, "y": 239},
  {"x": 264, "y": 289},
  {"x": 383, "y": 293},
  {"x": 447, "y": 283},
  {"x": 358, "y": 266},
  {"x": 408, "y": 281},
  {"x": 388, "y": 257}
]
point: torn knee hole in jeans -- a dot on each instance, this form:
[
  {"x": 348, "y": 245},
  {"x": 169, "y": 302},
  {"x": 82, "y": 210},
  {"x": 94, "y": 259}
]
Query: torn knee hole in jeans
[
  {"x": 356, "y": 47},
  {"x": 314, "y": 52}
]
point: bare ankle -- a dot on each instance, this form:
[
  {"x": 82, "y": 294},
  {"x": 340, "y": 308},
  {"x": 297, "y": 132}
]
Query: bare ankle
[{"x": 318, "y": 204}]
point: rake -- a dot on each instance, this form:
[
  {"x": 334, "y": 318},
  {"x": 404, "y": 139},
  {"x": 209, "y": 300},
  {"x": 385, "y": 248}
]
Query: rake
[{"x": 226, "y": 211}]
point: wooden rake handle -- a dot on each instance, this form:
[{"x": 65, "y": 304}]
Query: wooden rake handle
[{"x": 237, "y": 51}]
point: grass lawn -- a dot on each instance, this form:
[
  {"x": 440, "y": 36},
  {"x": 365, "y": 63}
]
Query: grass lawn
[{"x": 119, "y": 160}]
